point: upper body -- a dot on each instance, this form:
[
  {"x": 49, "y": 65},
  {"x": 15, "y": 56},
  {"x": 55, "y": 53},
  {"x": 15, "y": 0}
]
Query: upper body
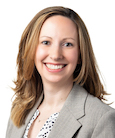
[
  {"x": 54, "y": 52},
  {"x": 82, "y": 116}
]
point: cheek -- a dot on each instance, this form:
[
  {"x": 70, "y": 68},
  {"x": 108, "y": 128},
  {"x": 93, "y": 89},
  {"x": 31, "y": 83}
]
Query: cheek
[
  {"x": 40, "y": 54},
  {"x": 73, "y": 58}
]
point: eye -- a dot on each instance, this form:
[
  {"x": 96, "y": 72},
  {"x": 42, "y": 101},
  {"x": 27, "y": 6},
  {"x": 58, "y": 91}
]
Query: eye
[
  {"x": 68, "y": 44},
  {"x": 45, "y": 42}
]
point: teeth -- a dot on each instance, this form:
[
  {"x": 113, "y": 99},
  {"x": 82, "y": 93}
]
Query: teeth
[{"x": 50, "y": 66}]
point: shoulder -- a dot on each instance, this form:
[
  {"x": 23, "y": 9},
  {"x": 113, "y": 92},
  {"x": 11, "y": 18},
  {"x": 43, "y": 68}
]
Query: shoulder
[
  {"x": 101, "y": 115},
  {"x": 96, "y": 118},
  {"x": 91, "y": 104},
  {"x": 9, "y": 128},
  {"x": 99, "y": 118},
  {"x": 95, "y": 105}
]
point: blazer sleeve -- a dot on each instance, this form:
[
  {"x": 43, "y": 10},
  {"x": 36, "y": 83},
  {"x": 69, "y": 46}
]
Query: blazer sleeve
[{"x": 105, "y": 127}]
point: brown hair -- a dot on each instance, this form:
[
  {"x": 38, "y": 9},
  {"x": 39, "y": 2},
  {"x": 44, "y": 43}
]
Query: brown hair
[{"x": 29, "y": 83}]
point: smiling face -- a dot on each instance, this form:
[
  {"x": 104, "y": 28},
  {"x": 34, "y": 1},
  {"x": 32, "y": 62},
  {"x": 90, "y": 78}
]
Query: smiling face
[{"x": 57, "y": 53}]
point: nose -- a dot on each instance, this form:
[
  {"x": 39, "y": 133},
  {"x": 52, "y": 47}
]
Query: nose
[{"x": 56, "y": 53}]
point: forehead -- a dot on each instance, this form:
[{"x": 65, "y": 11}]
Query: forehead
[{"x": 59, "y": 25}]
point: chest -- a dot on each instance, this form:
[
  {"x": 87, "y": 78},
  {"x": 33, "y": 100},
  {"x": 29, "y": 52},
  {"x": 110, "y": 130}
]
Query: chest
[{"x": 39, "y": 128}]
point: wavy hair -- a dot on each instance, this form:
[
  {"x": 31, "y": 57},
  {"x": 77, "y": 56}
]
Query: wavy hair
[{"x": 28, "y": 85}]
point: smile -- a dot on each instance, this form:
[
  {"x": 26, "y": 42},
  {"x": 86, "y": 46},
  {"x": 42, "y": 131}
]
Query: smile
[{"x": 55, "y": 67}]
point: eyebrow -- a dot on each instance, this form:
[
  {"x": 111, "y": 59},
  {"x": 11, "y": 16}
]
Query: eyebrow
[
  {"x": 69, "y": 38},
  {"x": 63, "y": 38},
  {"x": 46, "y": 36}
]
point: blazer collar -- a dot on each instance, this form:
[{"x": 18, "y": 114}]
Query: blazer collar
[{"x": 68, "y": 121}]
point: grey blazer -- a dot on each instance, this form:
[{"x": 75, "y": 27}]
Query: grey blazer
[{"x": 82, "y": 116}]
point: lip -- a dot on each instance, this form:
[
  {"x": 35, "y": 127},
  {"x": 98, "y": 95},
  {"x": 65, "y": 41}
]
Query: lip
[
  {"x": 54, "y": 63},
  {"x": 55, "y": 70}
]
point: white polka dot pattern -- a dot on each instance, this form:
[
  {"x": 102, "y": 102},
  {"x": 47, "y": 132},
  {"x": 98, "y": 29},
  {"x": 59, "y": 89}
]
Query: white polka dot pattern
[{"x": 46, "y": 129}]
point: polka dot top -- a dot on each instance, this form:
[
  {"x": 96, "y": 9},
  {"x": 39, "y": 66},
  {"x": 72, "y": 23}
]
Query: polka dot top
[{"x": 46, "y": 129}]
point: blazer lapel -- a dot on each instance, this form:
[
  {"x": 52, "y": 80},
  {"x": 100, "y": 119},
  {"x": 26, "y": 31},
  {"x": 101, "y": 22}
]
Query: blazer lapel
[
  {"x": 68, "y": 123},
  {"x": 65, "y": 126}
]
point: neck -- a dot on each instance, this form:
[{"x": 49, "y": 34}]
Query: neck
[{"x": 56, "y": 94}]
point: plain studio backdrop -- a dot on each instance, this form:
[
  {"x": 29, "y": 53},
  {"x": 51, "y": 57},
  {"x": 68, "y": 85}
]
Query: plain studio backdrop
[{"x": 99, "y": 17}]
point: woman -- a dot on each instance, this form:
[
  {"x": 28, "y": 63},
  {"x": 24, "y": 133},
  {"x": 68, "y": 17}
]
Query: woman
[{"x": 58, "y": 90}]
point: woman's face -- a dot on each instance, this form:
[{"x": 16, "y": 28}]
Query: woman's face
[{"x": 57, "y": 53}]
